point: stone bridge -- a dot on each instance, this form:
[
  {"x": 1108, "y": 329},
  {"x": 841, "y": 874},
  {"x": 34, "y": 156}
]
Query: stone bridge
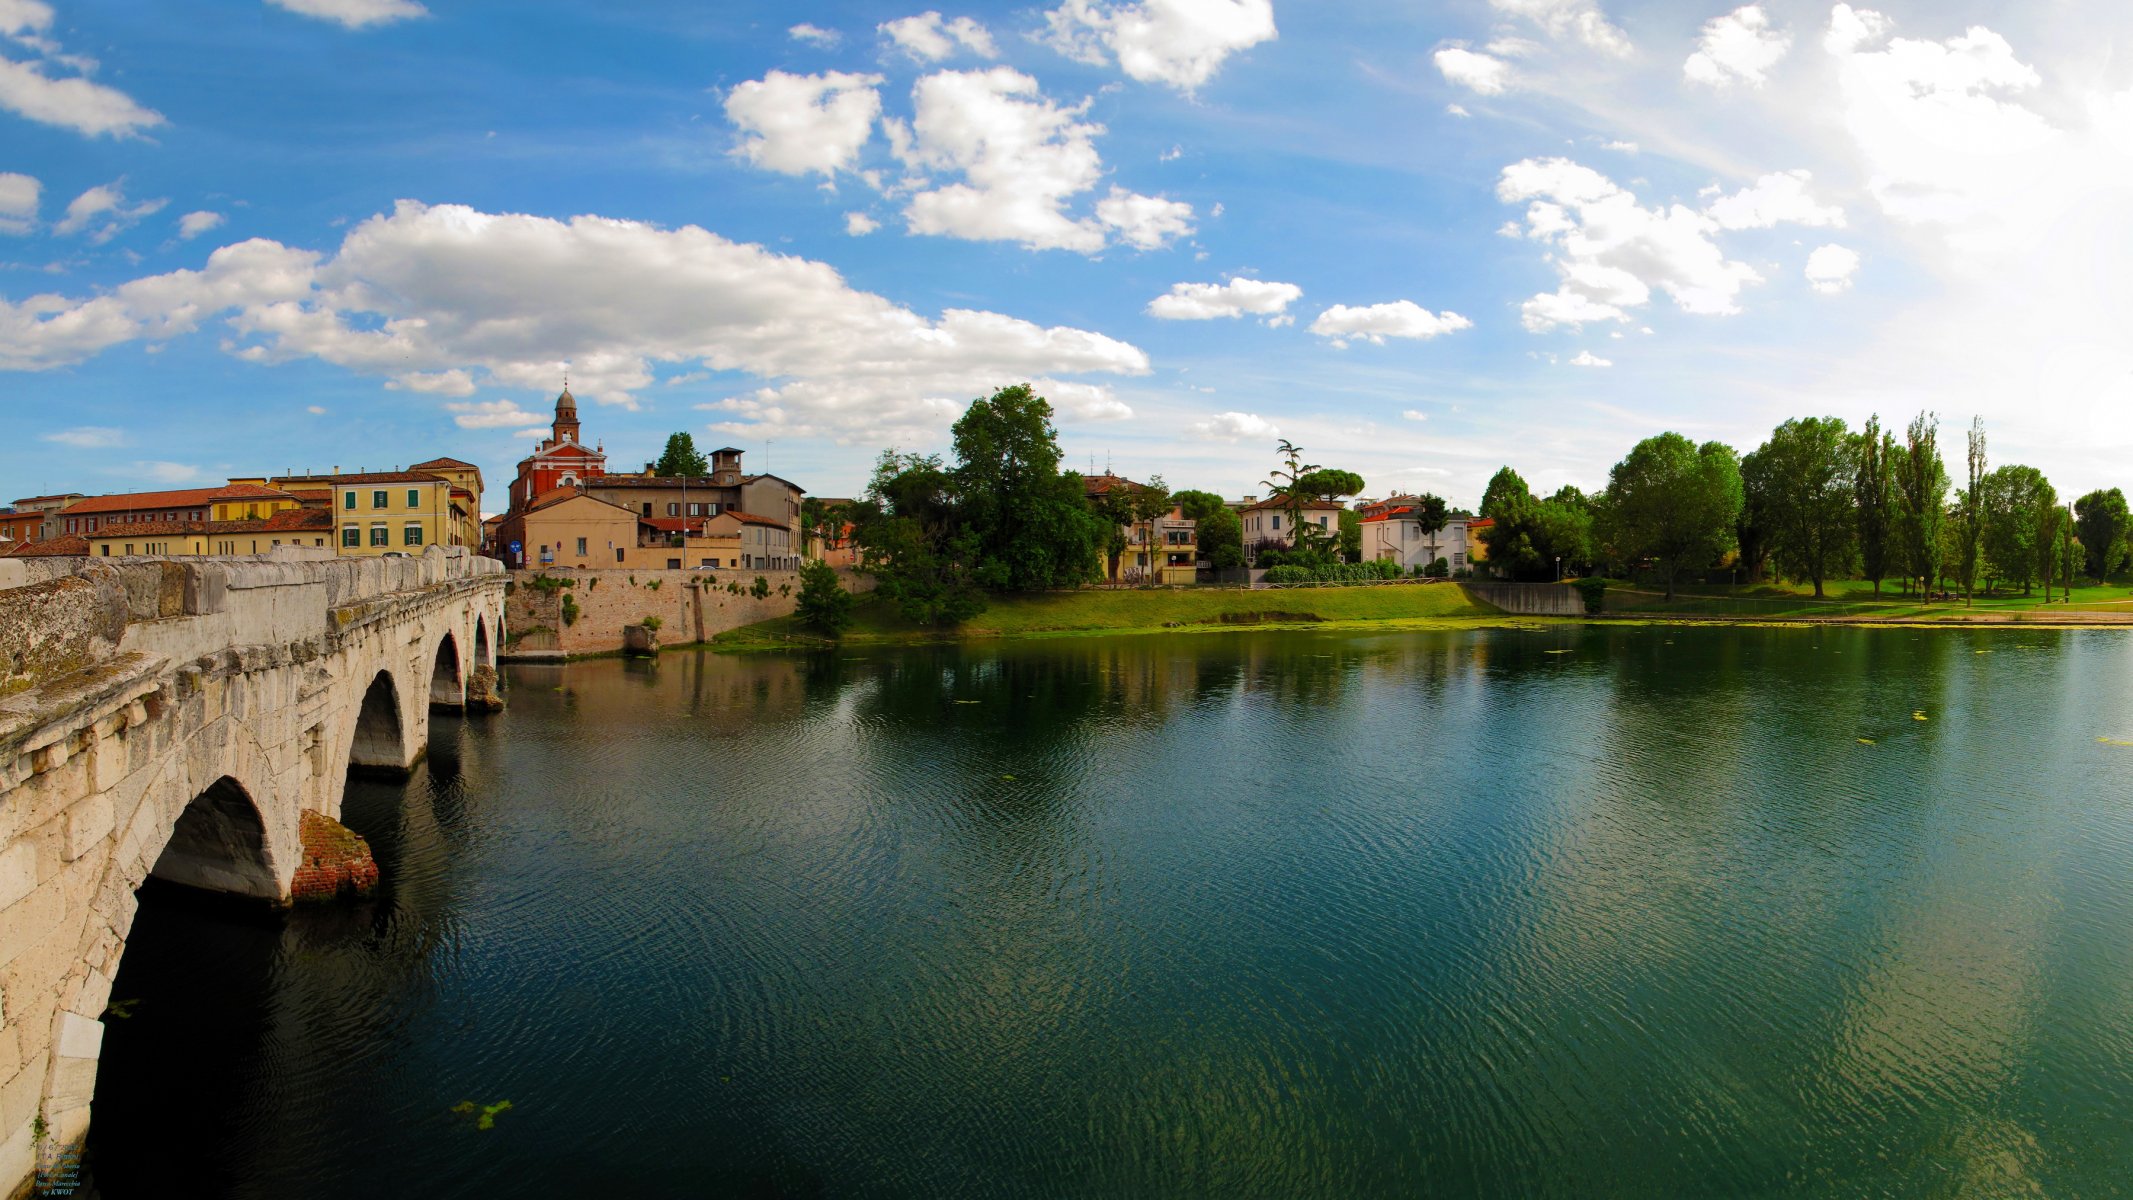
[{"x": 193, "y": 720}]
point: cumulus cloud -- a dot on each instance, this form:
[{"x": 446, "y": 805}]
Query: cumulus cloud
[
  {"x": 454, "y": 382},
  {"x": 1778, "y": 198},
  {"x": 1566, "y": 20},
  {"x": 802, "y": 124},
  {"x": 160, "y": 471},
  {"x": 1739, "y": 47},
  {"x": 1610, "y": 252},
  {"x": 1484, "y": 74},
  {"x": 1013, "y": 160},
  {"x": 1587, "y": 358},
  {"x": 70, "y": 99},
  {"x": 1830, "y": 268},
  {"x": 1181, "y": 43},
  {"x": 355, "y": 14},
  {"x": 1236, "y": 426},
  {"x": 1413, "y": 414},
  {"x": 19, "y": 197},
  {"x": 493, "y": 414},
  {"x": 193, "y": 224},
  {"x": 815, "y": 35},
  {"x": 103, "y": 212},
  {"x": 927, "y": 38},
  {"x": 858, "y": 224},
  {"x": 88, "y": 437},
  {"x": 416, "y": 294},
  {"x": 1213, "y": 301},
  {"x": 1374, "y": 323}
]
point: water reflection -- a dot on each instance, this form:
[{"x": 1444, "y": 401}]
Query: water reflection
[{"x": 1526, "y": 912}]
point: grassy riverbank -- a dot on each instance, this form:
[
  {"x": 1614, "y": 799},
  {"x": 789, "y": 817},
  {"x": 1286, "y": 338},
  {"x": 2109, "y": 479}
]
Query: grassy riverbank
[
  {"x": 1156, "y": 610},
  {"x": 1854, "y": 601}
]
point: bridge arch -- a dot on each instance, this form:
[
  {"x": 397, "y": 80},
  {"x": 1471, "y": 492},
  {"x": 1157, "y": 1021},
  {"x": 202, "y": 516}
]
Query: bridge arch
[
  {"x": 380, "y": 738},
  {"x": 483, "y": 655},
  {"x": 448, "y": 683},
  {"x": 219, "y": 843}
]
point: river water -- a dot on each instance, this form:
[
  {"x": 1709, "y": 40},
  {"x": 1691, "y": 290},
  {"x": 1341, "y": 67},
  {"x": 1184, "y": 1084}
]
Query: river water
[{"x": 1565, "y": 912}]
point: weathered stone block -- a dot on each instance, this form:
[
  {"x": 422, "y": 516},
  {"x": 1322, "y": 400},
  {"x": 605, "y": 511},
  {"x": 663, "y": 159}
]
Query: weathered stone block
[
  {"x": 19, "y": 1096},
  {"x": 87, "y": 824},
  {"x": 18, "y": 873}
]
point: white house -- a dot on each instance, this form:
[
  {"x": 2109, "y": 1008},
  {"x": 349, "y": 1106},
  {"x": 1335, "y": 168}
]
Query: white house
[
  {"x": 1397, "y": 535},
  {"x": 1265, "y": 523}
]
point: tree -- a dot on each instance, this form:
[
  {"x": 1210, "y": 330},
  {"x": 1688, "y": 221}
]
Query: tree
[
  {"x": 1126, "y": 513},
  {"x": 1801, "y": 484},
  {"x": 2012, "y": 497},
  {"x": 823, "y": 522},
  {"x": 824, "y": 606},
  {"x": 1198, "y": 505},
  {"x": 1504, "y": 486},
  {"x": 2100, "y": 522},
  {"x": 1285, "y": 483},
  {"x": 1330, "y": 483},
  {"x": 1540, "y": 539},
  {"x": 1029, "y": 523},
  {"x": 1351, "y": 536},
  {"x": 1221, "y": 536},
  {"x": 912, "y": 541},
  {"x": 1921, "y": 498},
  {"x": 680, "y": 458},
  {"x": 1874, "y": 494},
  {"x": 1972, "y": 509},
  {"x": 1674, "y": 502}
]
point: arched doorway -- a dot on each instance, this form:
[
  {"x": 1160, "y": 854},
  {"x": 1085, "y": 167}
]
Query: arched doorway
[
  {"x": 447, "y": 689},
  {"x": 379, "y": 744},
  {"x": 219, "y": 844}
]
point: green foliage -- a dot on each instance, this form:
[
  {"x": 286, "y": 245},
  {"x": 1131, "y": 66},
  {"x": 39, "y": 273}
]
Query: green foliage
[
  {"x": 823, "y": 521},
  {"x": 1333, "y": 572},
  {"x": 653, "y": 584},
  {"x": 652, "y": 623},
  {"x": 1593, "y": 590},
  {"x": 1431, "y": 512},
  {"x": 1351, "y": 537},
  {"x": 2013, "y": 499},
  {"x": 1921, "y": 491},
  {"x": 550, "y": 583},
  {"x": 1122, "y": 509},
  {"x": 1972, "y": 510},
  {"x": 761, "y": 588},
  {"x": 1198, "y": 505},
  {"x": 2100, "y": 522},
  {"x": 1798, "y": 496},
  {"x": 1439, "y": 568},
  {"x": 680, "y": 458},
  {"x": 1221, "y": 536},
  {"x": 1504, "y": 487},
  {"x": 1028, "y": 525},
  {"x": 1330, "y": 484},
  {"x": 570, "y": 609},
  {"x": 1874, "y": 500},
  {"x": 1673, "y": 502},
  {"x": 485, "y": 1114},
  {"x": 824, "y": 606},
  {"x": 1531, "y": 535},
  {"x": 911, "y": 540}
]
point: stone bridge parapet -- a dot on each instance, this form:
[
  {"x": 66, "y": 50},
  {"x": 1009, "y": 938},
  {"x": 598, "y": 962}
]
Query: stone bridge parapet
[{"x": 179, "y": 718}]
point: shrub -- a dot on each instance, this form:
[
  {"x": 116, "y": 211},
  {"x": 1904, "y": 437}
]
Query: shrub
[
  {"x": 761, "y": 588},
  {"x": 1594, "y": 591},
  {"x": 654, "y": 584},
  {"x": 570, "y": 609},
  {"x": 1289, "y": 574},
  {"x": 824, "y": 606},
  {"x": 652, "y": 623},
  {"x": 1440, "y": 569}
]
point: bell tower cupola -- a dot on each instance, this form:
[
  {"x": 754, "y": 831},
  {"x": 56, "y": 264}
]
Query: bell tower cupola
[{"x": 566, "y": 416}]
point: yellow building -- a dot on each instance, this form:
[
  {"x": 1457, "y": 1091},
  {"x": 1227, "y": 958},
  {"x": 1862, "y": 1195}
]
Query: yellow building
[
  {"x": 396, "y": 512},
  {"x": 465, "y": 479},
  {"x": 290, "y": 526}
]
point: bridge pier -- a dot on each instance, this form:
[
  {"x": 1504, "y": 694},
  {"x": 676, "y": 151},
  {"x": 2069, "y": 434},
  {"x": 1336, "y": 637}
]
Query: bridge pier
[{"x": 195, "y": 720}]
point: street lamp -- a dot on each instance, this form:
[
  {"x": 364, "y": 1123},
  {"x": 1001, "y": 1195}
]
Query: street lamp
[{"x": 1558, "y": 568}]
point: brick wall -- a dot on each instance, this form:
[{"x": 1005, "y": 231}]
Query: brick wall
[{"x": 690, "y": 606}]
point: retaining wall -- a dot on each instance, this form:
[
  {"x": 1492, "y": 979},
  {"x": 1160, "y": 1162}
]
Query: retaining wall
[
  {"x": 1529, "y": 599},
  {"x": 692, "y": 606}
]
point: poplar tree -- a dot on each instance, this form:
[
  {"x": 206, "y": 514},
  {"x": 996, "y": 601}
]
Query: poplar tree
[
  {"x": 1922, "y": 495},
  {"x": 1875, "y": 497},
  {"x": 1973, "y": 511}
]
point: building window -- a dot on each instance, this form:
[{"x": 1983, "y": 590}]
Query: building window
[
  {"x": 618, "y": 555},
  {"x": 348, "y": 499},
  {"x": 377, "y": 500},
  {"x": 105, "y": 549},
  {"x": 673, "y": 509},
  {"x": 1277, "y": 523},
  {"x": 673, "y": 564},
  {"x": 378, "y": 536},
  {"x": 581, "y": 547},
  {"x": 411, "y": 536},
  {"x": 414, "y": 497},
  {"x": 350, "y": 536},
  {"x": 647, "y": 508}
]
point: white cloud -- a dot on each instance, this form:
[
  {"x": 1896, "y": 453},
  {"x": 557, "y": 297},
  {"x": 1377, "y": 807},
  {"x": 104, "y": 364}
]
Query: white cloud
[
  {"x": 1144, "y": 222},
  {"x": 71, "y": 101},
  {"x": 1457, "y": 110},
  {"x": 1236, "y": 426},
  {"x": 316, "y": 410},
  {"x": 1016, "y": 159},
  {"x": 1851, "y": 28},
  {"x": 355, "y": 14},
  {"x": 493, "y": 414},
  {"x": 815, "y": 35},
  {"x": 1374, "y": 323},
  {"x": 530, "y": 434},
  {"x": 1483, "y": 74},
  {"x": 797, "y": 124},
  {"x": 19, "y": 197},
  {"x": 88, "y": 437},
  {"x": 927, "y": 38},
  {"x": 1211, "y": 301},
  {"x": 421, "y": 292},
  {"x": 157, "y": 471},
  {"x": 454, "y": 382},
  {"x": 1587, "y": 358},
  {"x": 1181, "y": 43},
  {"x": 1739, "y": 47},
  {"x": 858, "y": 224},
  {"x": 1412, "y": 414},
  {"x": 1610, "y": 252},
  {"x": 1624, "y": 147},
  {"x": 193, "y": 224},
  {"x": 104, "y": 206},
  {"x": 1780, "y": 197},
  {"x": 1830, "y": 268},
  {"x": 1581, "y": 20}
]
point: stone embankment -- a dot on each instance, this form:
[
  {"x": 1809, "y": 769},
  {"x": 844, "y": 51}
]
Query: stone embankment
[
  {"x": 555, "y": 613},
  {"x": 1529, "y": 599}
]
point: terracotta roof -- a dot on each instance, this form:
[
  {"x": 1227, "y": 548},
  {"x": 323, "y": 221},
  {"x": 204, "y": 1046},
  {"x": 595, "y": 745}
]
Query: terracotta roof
[
  {"x": 362, "y": 477},
  {"x": 50, "y": 498},
  {"x": 1106, "y": 483},
  {"x": 780, "y": 478},
  {"x": 72, "y": 543},
  {"x": 677, "y": 524},
  {"x": 557, "y": 495},
  {"x": 289, "y": 520},
  {"x": 498, "y": 519},
  {"x": 653, "y": 481},
  {"x": 1480, "y": 523},
  {"x": 1277, "y": 502},
  {"x": 753, "y": 519},
  {"x": 451, "y": 464},
  {"x": 181, "y": 498}
]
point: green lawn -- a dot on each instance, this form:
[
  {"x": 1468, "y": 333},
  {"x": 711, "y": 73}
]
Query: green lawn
[
  {"x": 1854, "y": 598},
  {"x": 1136, "y": 611}
]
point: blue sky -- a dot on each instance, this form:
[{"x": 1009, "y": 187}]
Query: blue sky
[{"x": 1423, "y": 240}]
